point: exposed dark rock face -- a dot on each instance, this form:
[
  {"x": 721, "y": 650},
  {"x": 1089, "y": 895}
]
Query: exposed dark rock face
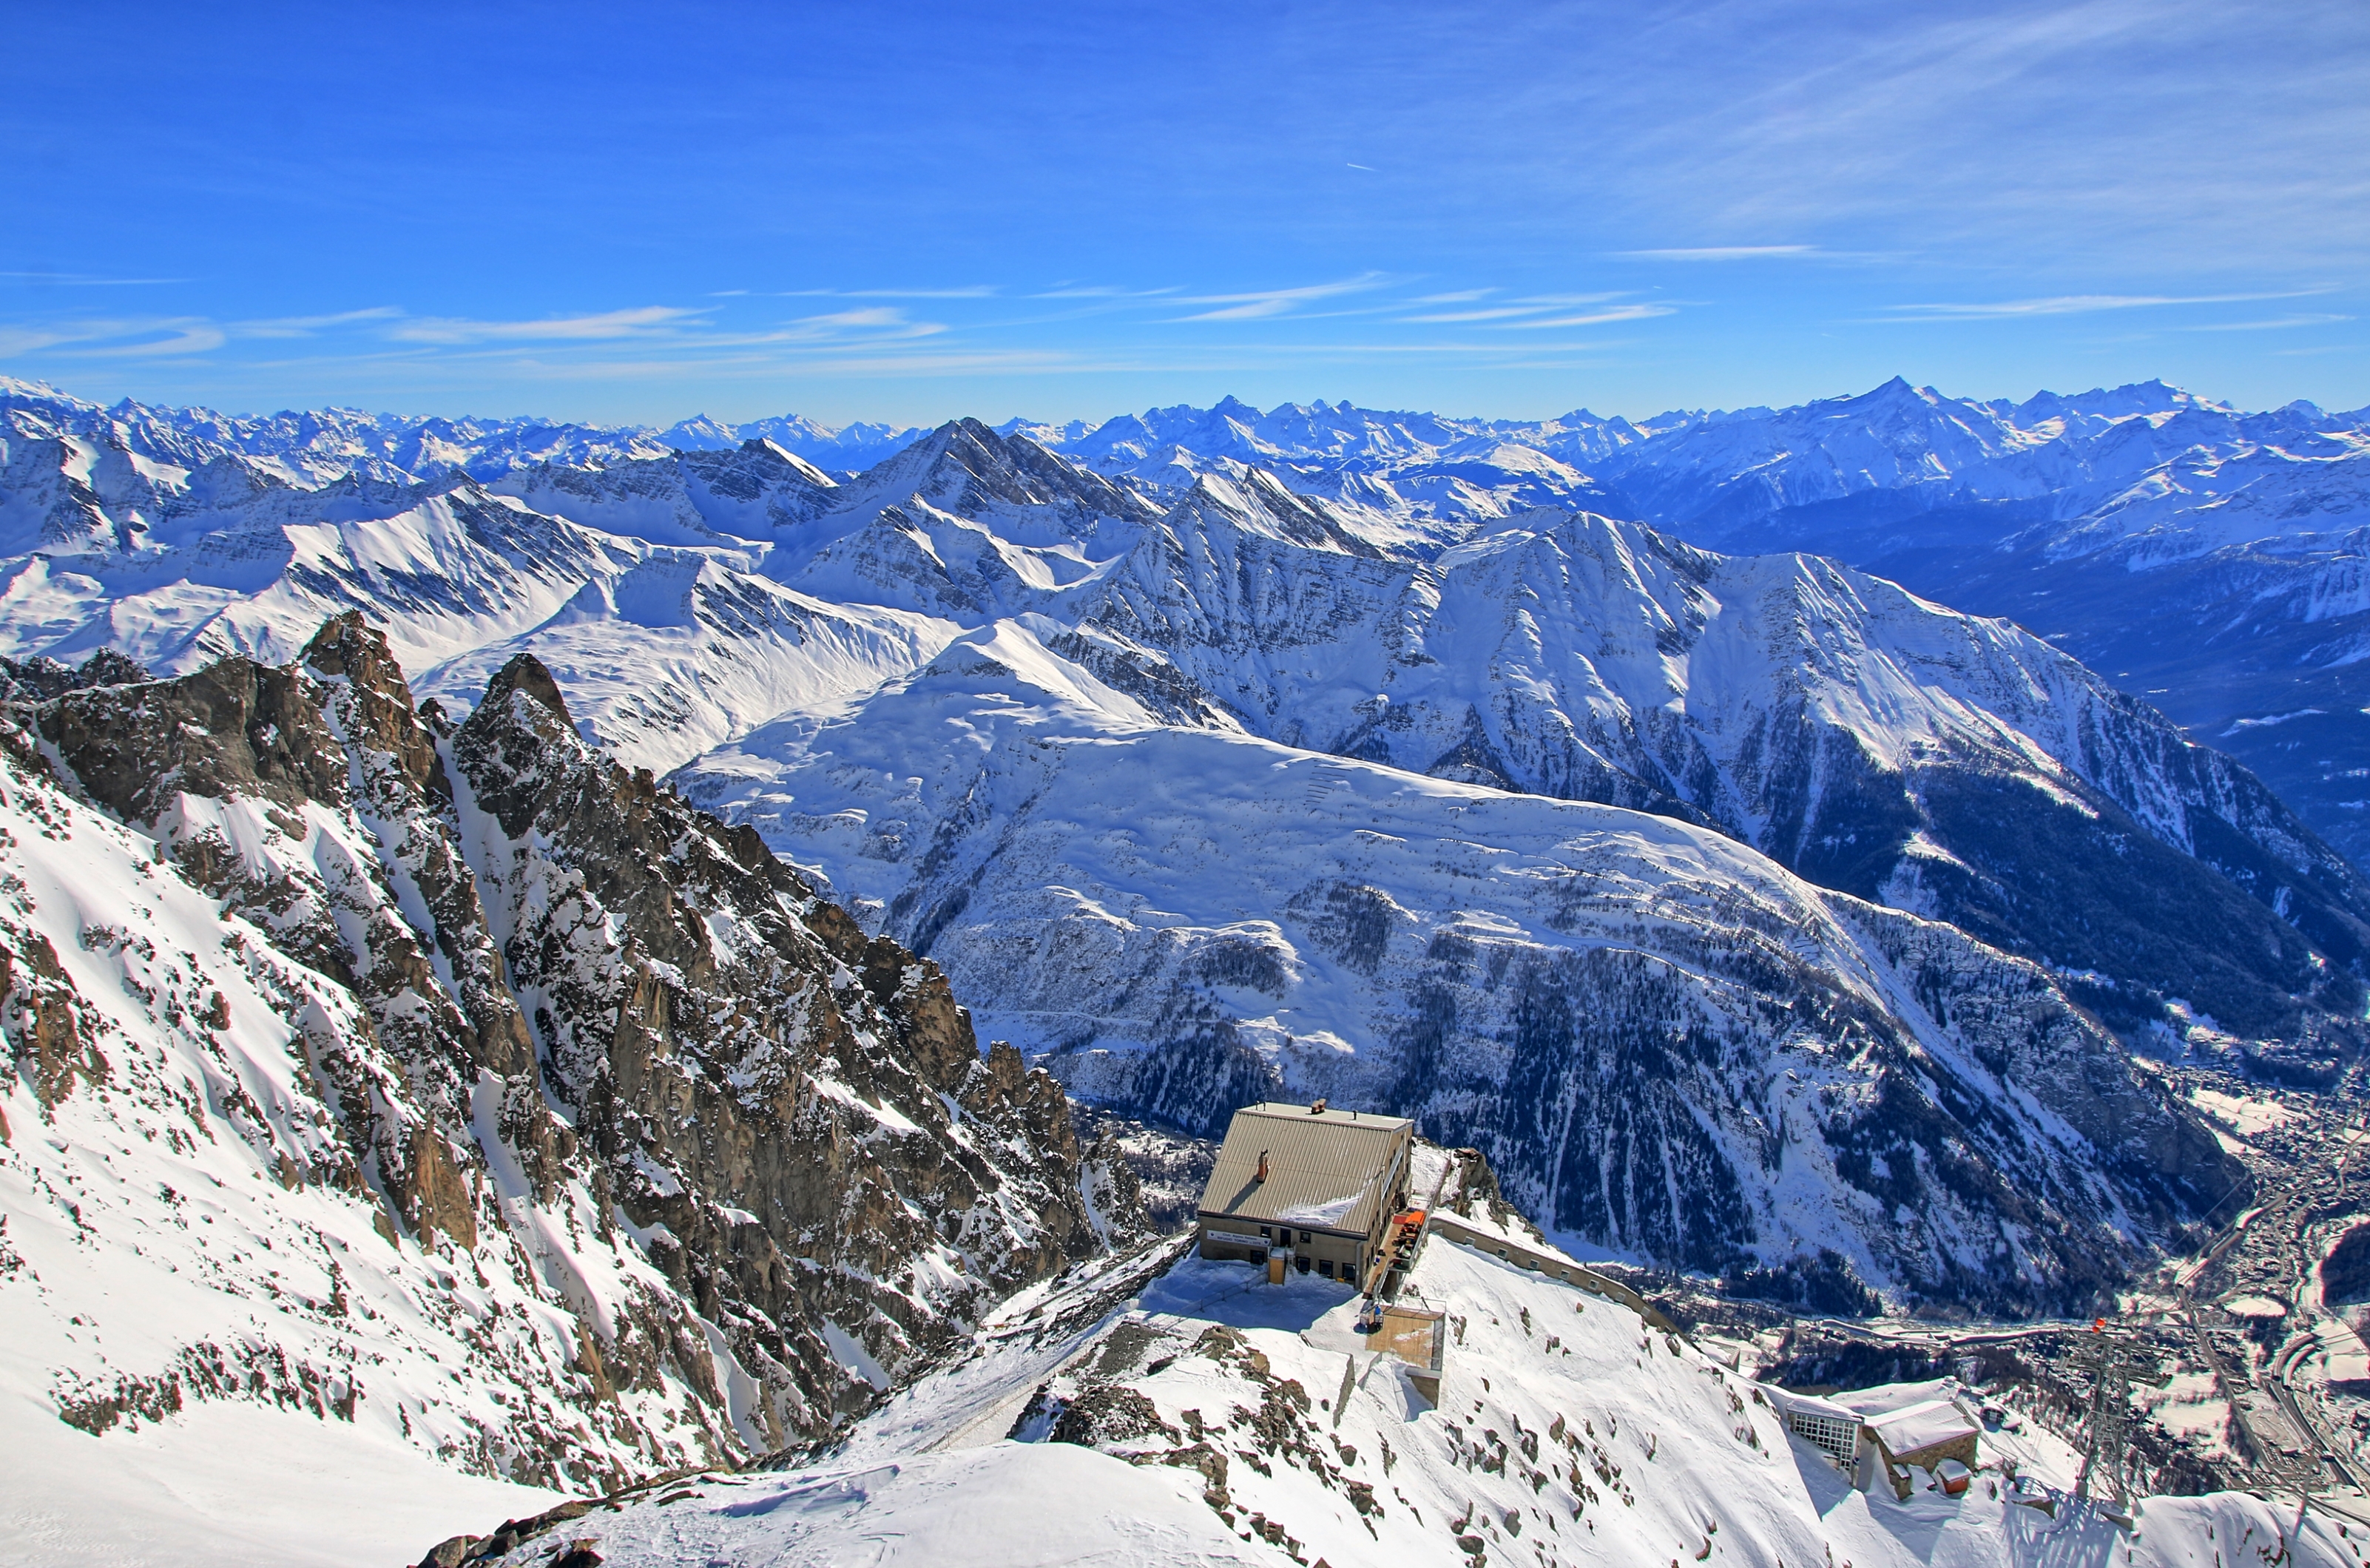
[
  {"x": 38, "y": 677},
  {"x": 586, "y": 1007},
  {"x": 724, "y": 1043}
]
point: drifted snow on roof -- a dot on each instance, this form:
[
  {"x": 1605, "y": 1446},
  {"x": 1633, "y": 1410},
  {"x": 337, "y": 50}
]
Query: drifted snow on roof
[{"x": 1322, "y": 1169}]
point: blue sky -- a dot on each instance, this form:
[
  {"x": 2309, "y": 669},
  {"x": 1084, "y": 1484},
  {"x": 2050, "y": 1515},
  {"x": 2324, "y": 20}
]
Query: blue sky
[{"x": 865, "y": 212}]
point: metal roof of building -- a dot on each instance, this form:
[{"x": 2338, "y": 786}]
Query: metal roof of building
[{"x": 1325, "y": 1169}]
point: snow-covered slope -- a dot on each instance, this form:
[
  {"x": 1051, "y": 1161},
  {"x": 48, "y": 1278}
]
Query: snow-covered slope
[
  {"x": 456, "y": 1091},
  {"x": 2200, "y": 556},
  {"x": 1667, "y": 1045},
  {"x": 1872, "y": 741},
  {"x": 1208, "y": 1419},
  {"x": 686, "y": 498},
  {"x": 670, "y": 636}
]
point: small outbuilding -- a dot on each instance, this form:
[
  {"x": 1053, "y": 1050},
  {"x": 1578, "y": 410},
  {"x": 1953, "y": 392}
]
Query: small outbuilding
[
  {"x": 1925, "y": 1434},
  {"x": 1417, "y": 1336},
  {"x": 1307, "y": 1181}
]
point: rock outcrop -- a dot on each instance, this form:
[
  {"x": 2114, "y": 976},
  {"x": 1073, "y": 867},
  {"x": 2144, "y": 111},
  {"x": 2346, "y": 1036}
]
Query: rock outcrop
[{"x": 563, "y": 1034}]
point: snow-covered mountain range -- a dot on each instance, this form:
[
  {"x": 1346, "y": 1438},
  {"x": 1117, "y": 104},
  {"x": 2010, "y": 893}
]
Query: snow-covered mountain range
[
  {"x": 317, "y": 445},
  {"x": 395, "y": 1052},
  {"x": 2208, "y": 559},
  {"x": 1162, "y": 776}
]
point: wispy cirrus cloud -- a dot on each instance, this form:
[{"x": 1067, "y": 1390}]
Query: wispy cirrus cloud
[
  {"x": 2072, "y": 305},
  {"x": 1490, "y": 312},
  {"x": 1548, "y": 310},
  {"x": 870, "y": 333},
  {"x": 81, "y": 280},
  {"x": 967, "y": 291},
  {"x": 1640, "y": 312},
  {"x": 670, "y": 328},
  {"x": 675, "y": 336},
  {"x": 1723, "y": 252},
  {"x": 1266, "y": 304},
  {"x": 874, "y": 322},
  {"x": 640, "y": 321},
  {"x": 1103, "y": 291},
  {"x": 307, "y": 326},
  {"x": 2273, "y": 325},
  {"x": 166, "y": 336},
  {"x": 115, "y": 337}
]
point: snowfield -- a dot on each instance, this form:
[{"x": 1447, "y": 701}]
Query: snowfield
[{"x": 1212, "y": 1418}]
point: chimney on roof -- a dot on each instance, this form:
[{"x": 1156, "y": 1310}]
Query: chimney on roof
[
  {"x": 1262, "y": 1170},
  {"x": 1317, "y": 1108}
]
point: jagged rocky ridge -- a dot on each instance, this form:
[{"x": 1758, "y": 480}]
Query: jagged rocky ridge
[{"x": 571, "y": 1087}]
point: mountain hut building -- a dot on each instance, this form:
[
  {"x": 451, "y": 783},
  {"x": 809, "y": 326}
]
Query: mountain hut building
[
  {"x": 1883, "y": 1433},
  {"x": 1307, "y": 1182}
]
